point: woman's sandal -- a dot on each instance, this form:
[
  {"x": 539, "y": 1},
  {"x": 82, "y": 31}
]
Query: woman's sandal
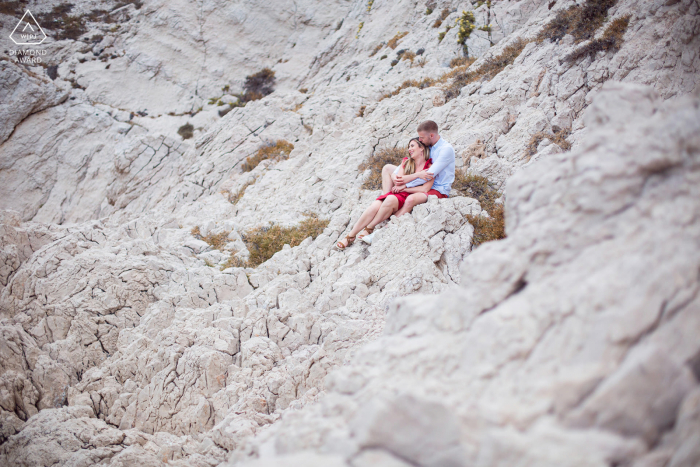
[
  {"x": 366, "y": 229},
  {"x": 350, "y": 240}
]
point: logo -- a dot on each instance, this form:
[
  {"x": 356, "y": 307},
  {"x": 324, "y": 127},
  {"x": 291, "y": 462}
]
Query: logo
[{"x": 28, "y": 31}]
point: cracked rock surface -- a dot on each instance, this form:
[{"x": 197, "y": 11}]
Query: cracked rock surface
[{"x": 125, "y": 339}]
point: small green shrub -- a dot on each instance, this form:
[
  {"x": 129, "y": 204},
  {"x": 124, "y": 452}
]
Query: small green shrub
[
  {"x": 274, "y": 151},
  {"x": 466, "y": 24},
  {"x": 264, "y": 242},
  {"x": 376, "y": 163},
  {"x": 186, "y": 131},
  {"x": 359, "y": 28},
  {"x": 394, "y": 41},
  {"x": 382, "y": 57},
  {"x": 394, "y": 62},
  {"x": 369, "y": 5}
]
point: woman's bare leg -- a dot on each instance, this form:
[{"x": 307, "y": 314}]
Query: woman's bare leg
[
  {"x": 366, "y": 217},
  {"x": 412, "y": 201},
  {"x": 387, "y": 182},
  {"x": 388, "y": 207}
]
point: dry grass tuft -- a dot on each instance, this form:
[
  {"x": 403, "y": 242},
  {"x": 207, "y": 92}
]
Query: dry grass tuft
[
  {"x": 376, "y": 163},
  {"x": 411, "y": 83},
  {"x": 277, "y": 151},
  {"x": 461, "y": 61},
  {"x": 12, "y": 8},
  {"x": 486, "y": 71},
  {"x": 408, "y": 56},
  {"x": 235, "y": 197},
  {"x": 581, "y": 21},
  {"x": 233, "y": 261},
  {"x": 379, "y": 47},
  {"x": 65, "y": 25},
  {"x": 611, "y": 39},
  {"x": 216, "y": 241},
  {"x": 394, "y": 41},
  {"x": 186, "y": 131},
  {"x": 259, "y": 85},
  {"x": 459, "y": 76},
  {"x": 488, "y": 229},
  {"x": 361, "y": 112},
  {"x": 478, "y": 187},
  {"x": 264, "y": 242},
  {"x": 443, "y": 15},
  {"x": 558, "y": 137}
]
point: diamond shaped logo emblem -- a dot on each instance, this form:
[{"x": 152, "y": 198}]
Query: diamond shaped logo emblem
[{"x": 28, "y": 31}]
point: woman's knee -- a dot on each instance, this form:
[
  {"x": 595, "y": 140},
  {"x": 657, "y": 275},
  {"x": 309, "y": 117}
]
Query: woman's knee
[
  {"x": 416, "y": 198},
  {"x": 391, "y": 202}
]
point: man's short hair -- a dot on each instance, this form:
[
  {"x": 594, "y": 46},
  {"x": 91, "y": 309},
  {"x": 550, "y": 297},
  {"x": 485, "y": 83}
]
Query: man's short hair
[{"x": 428, "y": 126}]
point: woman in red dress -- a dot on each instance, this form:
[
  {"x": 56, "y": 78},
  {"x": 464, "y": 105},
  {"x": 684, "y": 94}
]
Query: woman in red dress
[{"x": 393, "y": 201}]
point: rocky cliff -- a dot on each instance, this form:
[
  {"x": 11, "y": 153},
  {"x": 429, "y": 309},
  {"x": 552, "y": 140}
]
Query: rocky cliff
[{"x": 137, "y": 328}]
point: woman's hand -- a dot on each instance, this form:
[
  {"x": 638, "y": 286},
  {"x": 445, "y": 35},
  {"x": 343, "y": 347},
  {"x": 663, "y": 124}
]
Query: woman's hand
[{"x": 398, "y": 188}]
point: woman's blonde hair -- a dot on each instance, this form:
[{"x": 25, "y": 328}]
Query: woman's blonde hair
[{"x": 410, "y": 165}]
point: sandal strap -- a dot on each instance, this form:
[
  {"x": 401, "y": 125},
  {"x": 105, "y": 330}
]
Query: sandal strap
[{"x": 347, "y": 237}]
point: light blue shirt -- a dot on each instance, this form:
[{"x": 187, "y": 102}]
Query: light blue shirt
[{"x": 443, "y": 155}]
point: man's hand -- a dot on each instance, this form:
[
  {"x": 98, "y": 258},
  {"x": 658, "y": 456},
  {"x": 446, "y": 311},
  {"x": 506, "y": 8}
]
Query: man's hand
[{"x": 425, "y": 175}]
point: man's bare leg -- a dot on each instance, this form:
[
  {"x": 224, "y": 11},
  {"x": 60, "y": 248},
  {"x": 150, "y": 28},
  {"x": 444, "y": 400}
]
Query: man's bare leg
[
  {"x": 387, "y": 182},
  {"x": 413, "y": 200}
]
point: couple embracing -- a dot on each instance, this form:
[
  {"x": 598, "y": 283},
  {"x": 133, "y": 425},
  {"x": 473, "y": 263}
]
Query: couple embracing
[{"x": 428, "y": 170}]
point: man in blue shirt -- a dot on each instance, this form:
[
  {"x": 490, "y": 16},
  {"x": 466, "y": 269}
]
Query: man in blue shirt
[{"x": 442, "y": 170}]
